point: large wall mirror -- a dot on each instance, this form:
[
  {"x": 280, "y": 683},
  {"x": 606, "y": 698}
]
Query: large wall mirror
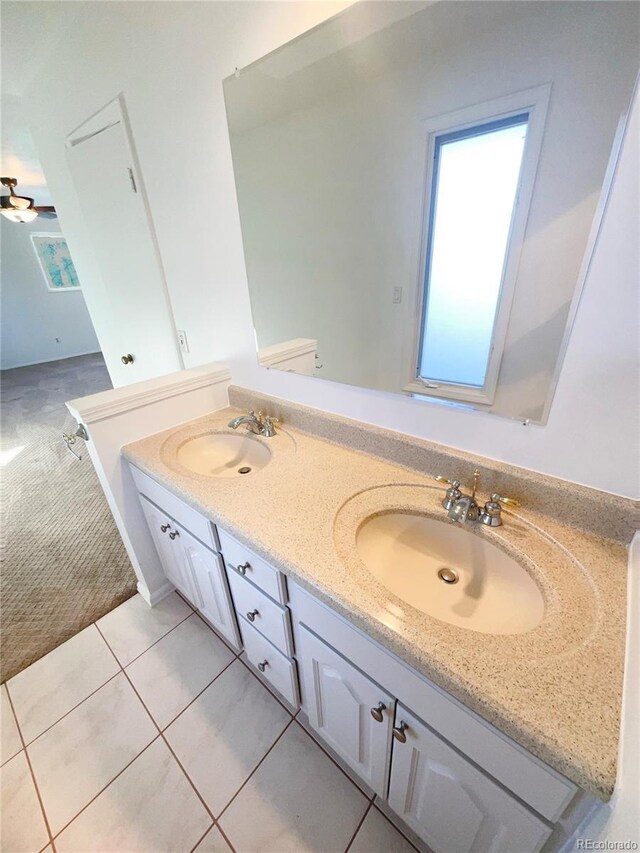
[{"x": 419, "y": 188}]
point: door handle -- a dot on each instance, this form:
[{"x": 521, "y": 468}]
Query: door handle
[{"x": 127, "y": 359}]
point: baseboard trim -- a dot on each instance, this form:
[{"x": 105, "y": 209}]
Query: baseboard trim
[
  {"x": 155, "y": 597},
  {"x": 50, "y": 360}
]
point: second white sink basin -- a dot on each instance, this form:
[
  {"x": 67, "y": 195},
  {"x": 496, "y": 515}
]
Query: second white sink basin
[
  {"x": 412, "y": 555},
  {"x": 221, "y": 454}
]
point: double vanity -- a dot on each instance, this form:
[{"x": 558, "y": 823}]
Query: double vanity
[{"x": 460, "y": 656}]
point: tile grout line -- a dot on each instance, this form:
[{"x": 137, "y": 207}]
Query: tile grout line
[
  {"x": 406, "y": 838},
  {"x": 165, "y": 741},
  {"x": 253, "y": 771},
  {"x": 226, "y": 838},
  {"x": 217, "y": 634},
  {"x": 66, "y": 713},
  {"x": 155, "y": 642},
  {"x": 104, "y": 788},
  {"x": 197, "y": 696},
  {"x": 33, "y": 775},
  {"x": 202, "y": 837},
  {"x": 266, "y": 687},
  {"x": 100, "y": 686},
  {"x": 359, "y": 826},
  {"x": 316, "y": 739}
]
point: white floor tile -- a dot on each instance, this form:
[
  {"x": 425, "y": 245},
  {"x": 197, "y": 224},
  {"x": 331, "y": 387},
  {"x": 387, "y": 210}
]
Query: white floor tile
[
  {"x": 297, "y": 800},
  {"x": 213, "y": 842},
  {"x": 23, "y": 827},
  {"x": 10, "y": 742},
  {"x": 134, "y": 626},
  {"x": 56, "y": 683},
  {"x": 223, "y": 735},
  {"x": 84, "y": 751},
  {"x": 377, "y": 835},
  {"x": 150, "y": 807},
  {"x": 172, "y": 673}
]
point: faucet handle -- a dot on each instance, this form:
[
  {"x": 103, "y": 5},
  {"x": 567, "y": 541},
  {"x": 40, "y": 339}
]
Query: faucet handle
[
  {"x": 454, "y": 483},
  {"x": 506, "y": 501},
  {"x": 491, "y": 515},
  {"x": 453, "y": 492}
]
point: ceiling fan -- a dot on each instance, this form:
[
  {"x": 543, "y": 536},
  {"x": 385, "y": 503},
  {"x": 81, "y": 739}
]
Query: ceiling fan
[{"x": 20, "y": 208}]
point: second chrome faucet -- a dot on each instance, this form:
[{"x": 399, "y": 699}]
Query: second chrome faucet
[{"x": 464, "y": 508}]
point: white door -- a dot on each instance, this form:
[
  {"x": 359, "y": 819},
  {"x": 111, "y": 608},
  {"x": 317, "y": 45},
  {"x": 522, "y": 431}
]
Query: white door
[
  {"x": 351, "y": 713},
  {"x": 162, "y": 528},
  {"x": 209, "y": 583},
  {"x": 129, "y": 305},
  {"x": 451, "y": 804}
]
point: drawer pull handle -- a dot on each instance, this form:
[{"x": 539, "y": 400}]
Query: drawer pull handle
[
  {"x": 376, "y": 712},
  {"x": 242, "y": 568},
  {"x": 399, "y": 732},
  {"x": 262, "y": 666},
  {"x": 251, "y": 615},
  {"x": 174, "y": 534},
  {"x": 165, "y": 527}
]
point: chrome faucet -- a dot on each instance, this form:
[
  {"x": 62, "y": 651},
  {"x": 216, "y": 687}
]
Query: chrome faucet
[
  {"x": 463, "y": 508},
  {"x": 257, "y": 424}
]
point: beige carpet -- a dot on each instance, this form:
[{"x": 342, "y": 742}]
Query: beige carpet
[{"x": 63, "y": 562}]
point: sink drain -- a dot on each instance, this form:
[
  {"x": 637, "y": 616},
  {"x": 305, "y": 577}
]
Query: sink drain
[
  {"x": 448, "y": 575},
  {"x": 244, "y": 470}
]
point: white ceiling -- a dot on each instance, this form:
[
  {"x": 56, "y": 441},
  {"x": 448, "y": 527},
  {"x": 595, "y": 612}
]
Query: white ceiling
[{"x": 30, "y": 32}]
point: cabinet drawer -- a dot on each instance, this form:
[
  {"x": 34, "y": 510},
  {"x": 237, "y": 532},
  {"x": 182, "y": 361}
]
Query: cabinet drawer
[
  {"x": 243, "y": 561},
  {"x": 450, "y": 803},
  {"x": 265, "y": 615},
  {"x": 181, "y": 512},
  {"x": 279, "y": 670}
]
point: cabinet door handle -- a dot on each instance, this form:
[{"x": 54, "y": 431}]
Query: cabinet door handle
[
  {"x": 399, "y": 732},
  {"x": 165, "y": 527},
  {"x": 174, "y": 534},
  {"x": 251, "y": 616},
  {"x": 262, "y": 666},
  {"x": 242, "y": 568},
  {"x": 376, "y": 712}
]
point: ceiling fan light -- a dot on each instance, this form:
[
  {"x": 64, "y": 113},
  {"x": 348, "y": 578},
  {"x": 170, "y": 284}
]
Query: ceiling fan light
[{"x": 15, "y": 215}]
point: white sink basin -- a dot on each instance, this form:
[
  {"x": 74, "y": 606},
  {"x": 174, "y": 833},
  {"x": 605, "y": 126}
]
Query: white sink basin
[
  {"x": 221, "y": 454},
  {"x": 493, "y": 593}
]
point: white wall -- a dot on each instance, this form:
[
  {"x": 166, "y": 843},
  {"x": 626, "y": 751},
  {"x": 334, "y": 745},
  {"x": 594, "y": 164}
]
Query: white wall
[
  {"x": 32, "y": 316},
  {"x": 172, "y": 82}
]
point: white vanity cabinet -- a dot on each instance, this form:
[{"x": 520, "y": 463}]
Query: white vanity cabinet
[
  {"x": 191, "y": 565},
  {"x": 451, "y": 804},
  {"x": 456, "y": 781},
  {"x": 349, "y": 710},
  {"x": 160, "y": 526}
]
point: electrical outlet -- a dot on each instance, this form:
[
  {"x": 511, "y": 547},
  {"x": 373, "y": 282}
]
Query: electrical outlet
[
  {"x": 182, "y": 340},
  {"x": 397, "y": 295}
]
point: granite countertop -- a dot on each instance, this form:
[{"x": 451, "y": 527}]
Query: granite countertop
[{"x": 556, "y": 689}]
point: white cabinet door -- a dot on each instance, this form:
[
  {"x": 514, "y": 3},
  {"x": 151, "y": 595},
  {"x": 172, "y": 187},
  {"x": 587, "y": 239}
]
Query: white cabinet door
[
  {"x": 160, "y": 526},
  {"x": 209, "y": 582},
  {"x": 451, "y": 804},
  {"x": 339, "y": 701}
]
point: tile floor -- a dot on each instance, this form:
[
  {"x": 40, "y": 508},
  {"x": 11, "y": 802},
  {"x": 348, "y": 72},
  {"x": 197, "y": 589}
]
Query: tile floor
[{"x": 146, "y": 732}]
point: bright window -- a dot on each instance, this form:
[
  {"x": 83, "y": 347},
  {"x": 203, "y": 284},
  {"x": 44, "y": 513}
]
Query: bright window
[{"x": 473, "y": 197}]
